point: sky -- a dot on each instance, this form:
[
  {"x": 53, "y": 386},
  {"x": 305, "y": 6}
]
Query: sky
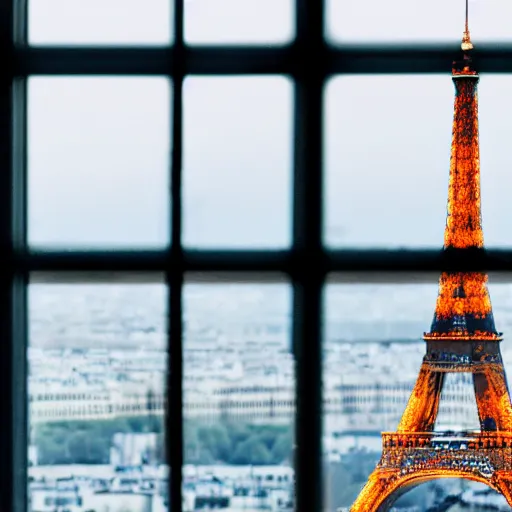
[{"x": 99, "y": 147}]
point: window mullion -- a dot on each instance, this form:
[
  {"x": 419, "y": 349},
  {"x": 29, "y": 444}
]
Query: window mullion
[
  {"x": 309, "y": 268},
  {"x": 13, "y": 304},
  {"x": 174, "y": 416}
]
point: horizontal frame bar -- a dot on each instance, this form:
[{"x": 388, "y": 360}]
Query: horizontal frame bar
[
  {"x": 82, "y": 61},
  {"x": 254, "y": 278},
  {"x": 148, "y": 277},
  {"x": 247, "y": 61},
  {"x": 291, "y": 262}
]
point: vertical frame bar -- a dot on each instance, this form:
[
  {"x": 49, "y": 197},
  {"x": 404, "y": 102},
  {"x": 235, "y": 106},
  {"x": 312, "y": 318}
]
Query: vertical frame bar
[
  {"x": 174, "y": 416},
  {"x": 6, "y": 344},
  {"x": 307, "y": 233},
  {"x": 13, "y": 305}
]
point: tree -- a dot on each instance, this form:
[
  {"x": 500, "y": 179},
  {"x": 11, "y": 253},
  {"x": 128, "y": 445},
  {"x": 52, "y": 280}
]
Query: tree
[
  {"x": 219, "y": 443},
  {"x": 252, "y": 451},
  {"x": 238, "y": 432},
  {"x": 282, "y": 448},
  {"x": 52, "y": 452},
  {"x": 78, "y": 447},
  {"x": 231, "y": 443}
]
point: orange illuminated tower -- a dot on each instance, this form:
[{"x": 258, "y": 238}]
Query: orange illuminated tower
[{"x": 462, "y": 338}]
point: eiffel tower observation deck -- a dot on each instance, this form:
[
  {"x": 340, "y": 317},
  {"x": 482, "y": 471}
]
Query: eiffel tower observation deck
[{"x": 462, "y": 338}]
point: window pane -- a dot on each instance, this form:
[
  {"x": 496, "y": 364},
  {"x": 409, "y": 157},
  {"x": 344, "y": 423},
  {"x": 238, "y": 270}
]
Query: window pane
[
  {"x": 239, "y": 397},
  {"x": 237, "y": 162},
  {"x": 373, "y": 349},
  {"x": 86, "y": 22},
  {"x": 238, "y": 21},
  {"x": 387, "y": 160},
  {"x": 97, "y": 373},
  {"x": 98, "y": 162},
  {"x": 407, "y": 21}
]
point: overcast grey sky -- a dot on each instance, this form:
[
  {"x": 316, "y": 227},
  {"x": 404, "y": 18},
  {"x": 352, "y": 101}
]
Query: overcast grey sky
[{"x": 99, "y": 147}]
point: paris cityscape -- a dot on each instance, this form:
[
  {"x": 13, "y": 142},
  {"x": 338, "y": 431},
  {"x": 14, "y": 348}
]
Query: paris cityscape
[{"x": 97, "y": 363}]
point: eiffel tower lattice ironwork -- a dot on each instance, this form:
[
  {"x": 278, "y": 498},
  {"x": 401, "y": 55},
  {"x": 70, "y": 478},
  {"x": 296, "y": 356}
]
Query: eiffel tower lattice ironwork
[{"x": 463, "y": 338}]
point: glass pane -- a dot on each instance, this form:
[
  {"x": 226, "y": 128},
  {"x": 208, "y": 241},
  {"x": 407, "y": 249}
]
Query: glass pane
[
  {"x": 238, "y": 21},
  {"x": 387, "y": 160},
  {"x": 406, "y": 21},
  {"x": 237, "y": 162},
  {"x": 373, "y": 350},
  {"x": 97, "y": 373},
  {"x": 239, "y": 397},
  {"x": 95, "y": 22},
  {"x": 98, "y": 162}
]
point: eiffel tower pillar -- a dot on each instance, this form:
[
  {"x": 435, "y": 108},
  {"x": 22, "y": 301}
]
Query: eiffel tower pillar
[
  {"x": 492, "y": 395},
  {"x": 421, "y": 410}
]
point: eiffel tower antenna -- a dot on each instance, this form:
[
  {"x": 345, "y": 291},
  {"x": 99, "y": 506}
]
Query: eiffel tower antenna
[{"x": 466, "y": 38}]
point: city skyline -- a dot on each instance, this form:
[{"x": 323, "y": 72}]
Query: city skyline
[
  {"x": 231, "y": 323},
  {"x": 354, "y": 311}
]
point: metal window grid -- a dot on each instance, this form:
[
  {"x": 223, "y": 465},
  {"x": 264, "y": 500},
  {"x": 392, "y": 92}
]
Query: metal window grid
[{"x": 309, "y": 61}]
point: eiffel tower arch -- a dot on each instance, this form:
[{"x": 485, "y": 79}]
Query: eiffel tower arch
[
  {"x": 385, "y": 488},
  {"x": 462, "y": 339}
]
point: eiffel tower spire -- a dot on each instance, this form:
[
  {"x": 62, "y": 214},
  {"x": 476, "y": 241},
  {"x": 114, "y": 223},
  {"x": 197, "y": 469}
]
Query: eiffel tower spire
[
  {"x": 466, "y": 38},
  {"x": 463, "y": 308}
]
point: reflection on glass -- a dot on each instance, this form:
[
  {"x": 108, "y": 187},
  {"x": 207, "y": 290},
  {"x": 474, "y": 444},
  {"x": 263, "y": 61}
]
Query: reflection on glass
[
  {"x": 98, "y": 162},
  {"x": 388, "y": 154},
  {"x": 237, "y": 162},
  {"x": 238, "y": 21},
  {"x": 373, "y": 350},
  {"x": 96, "y": 385},
  {"x": 394, "y": 21},
  {"x": 239, "y": 397},
  {"x": 95, "y": 22}
]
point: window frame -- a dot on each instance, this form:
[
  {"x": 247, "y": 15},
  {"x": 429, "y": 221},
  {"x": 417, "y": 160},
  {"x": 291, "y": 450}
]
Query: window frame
[{"x": 309, "y": 61}]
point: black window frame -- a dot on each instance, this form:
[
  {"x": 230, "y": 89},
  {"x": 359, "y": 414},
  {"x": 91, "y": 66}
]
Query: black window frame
[{"x": 309, "y": 61}]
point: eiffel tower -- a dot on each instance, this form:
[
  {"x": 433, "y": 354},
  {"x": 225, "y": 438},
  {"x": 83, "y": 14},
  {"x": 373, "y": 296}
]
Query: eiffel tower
[{"x": 462, "y": 338}]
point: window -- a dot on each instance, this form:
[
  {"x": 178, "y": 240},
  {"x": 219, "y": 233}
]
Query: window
[{"x": 295, "y": 52}]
